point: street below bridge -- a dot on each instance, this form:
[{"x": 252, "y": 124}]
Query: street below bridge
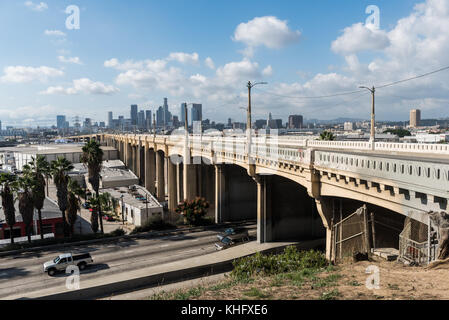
[{"x": 22, "y": 275}]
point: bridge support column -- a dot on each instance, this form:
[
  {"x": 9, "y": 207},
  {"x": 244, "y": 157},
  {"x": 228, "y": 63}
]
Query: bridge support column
[
  {"x": 189, "y": 180},
  {"x": 172, "y": 185},
  {"x": 324, "y": 207},
  {"x": 129, "y": 155},
  {"x": 138, "y": 162},
  {"x": 264, "y": 213},
  {"x": 160, "y": 185},
  {"x": 150, "y": 170},
  {"x": 179, "y": 184},
  {"x": 220, "y": 194}
]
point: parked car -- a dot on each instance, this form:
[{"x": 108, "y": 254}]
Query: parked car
[
  {"x": 61, "y": 262},
  {"x": 86, "y": 205},
  {"x": 108, "y": 217}
]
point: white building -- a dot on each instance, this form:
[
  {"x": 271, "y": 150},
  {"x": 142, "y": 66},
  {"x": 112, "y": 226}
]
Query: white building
[
  {"x": 432, "y": 138},
  {"x": 136, "y": 203},
  {"x": 72, "y": 152}
]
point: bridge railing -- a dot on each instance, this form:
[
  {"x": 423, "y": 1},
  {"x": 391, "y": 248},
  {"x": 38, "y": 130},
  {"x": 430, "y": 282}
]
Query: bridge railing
[{"x": 412, "y": 173}]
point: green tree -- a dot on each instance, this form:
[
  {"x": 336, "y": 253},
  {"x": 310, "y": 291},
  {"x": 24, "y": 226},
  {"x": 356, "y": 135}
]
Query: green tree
[
  {"x": 60, "y": 168},
  {"x": 327, "y": 136},
  {"x": 73, "y": 203},
  {"x": 401, "y": 133},
  {"x": 26, "y": 205},
  {"x": 92, "y": 157},
  {"x": 7, "y": 182},
  {"x": 193, "y": 211},
  {"x": 38, "y": 170}
]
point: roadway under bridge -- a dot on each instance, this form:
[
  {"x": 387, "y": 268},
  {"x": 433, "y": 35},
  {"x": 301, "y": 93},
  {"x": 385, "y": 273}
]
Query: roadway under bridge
[{"x": 297, "y": 189}]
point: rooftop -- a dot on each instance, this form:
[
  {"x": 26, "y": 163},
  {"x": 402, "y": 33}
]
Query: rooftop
[
  {"x": 134, "y": 196},
  {"x": 49, "y": 148},
  {"x": 50, "y": 211}
]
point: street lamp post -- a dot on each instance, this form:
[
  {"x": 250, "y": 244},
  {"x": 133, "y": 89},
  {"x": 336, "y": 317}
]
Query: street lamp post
[
  {"x": 372, "y": 139},
  {"x": 248, "y": 117}
]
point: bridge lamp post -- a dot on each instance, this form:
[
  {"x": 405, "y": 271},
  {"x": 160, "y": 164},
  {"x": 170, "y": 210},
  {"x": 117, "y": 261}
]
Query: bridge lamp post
[
  {"x": 248, "y": 120},
  {"x": 372, "y": 139}
]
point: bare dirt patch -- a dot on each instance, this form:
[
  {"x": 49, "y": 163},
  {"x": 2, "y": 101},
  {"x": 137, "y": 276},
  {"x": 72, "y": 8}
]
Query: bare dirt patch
[{"x": 343, "y": 282}]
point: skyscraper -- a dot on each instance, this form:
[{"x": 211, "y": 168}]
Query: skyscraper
[
  {"x": 148, "y": 121},
  {"x": 134, "y": 114},
  {"x": 183, "y": 113},
  {"x": 60, "y": 122},
  {"x": 141, "y": 119},
  {"x": 110, "y": 120},
  {"x": 295, "y": 122},
  {"x": 197, "y": 112},
  {"x": 415, "y": 118}
]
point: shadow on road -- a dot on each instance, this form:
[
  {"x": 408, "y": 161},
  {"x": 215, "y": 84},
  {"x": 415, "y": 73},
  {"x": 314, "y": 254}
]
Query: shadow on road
[{"x": 9, "y": 273}]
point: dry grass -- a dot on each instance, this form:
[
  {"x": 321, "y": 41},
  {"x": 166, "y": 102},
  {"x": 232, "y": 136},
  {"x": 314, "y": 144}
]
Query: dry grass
[{"x": 344, "y": 282}]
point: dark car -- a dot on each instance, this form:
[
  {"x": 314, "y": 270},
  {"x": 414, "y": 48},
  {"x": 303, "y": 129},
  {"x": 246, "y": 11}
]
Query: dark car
[{"x": 86, "y": 205}]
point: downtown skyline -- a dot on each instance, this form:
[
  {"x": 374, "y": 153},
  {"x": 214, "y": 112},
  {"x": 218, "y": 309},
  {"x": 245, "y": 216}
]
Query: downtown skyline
[{"x": 127, "y": 54}]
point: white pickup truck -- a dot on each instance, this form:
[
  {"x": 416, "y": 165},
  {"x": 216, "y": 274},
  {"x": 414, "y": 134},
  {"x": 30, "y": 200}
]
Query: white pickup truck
[{"x": 61, "y": 262}]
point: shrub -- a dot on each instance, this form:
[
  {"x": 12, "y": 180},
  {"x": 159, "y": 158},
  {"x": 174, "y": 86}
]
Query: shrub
[
  {"x": 193, "y": 211},
  {"x": 154, "y": 223},
  {"x": 117, "y": 233},
  {"x": 290, "y": 260}
]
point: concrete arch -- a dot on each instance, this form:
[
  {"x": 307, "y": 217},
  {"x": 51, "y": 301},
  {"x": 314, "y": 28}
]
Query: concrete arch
[
  {"x": 291, "y": 214},
  {"x": 398, "y": 207}
]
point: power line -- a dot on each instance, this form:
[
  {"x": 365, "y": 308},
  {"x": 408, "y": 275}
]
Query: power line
[
  {"x": 311, "y": 97},
  {"x": 413, "y": 78},
  {"x": 353, "y": 92}
]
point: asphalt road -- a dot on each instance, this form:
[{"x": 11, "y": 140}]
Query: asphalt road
[{"x": 24, "y": 272}]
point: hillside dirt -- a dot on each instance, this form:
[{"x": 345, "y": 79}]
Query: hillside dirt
[{"x": 343, "y": 282}]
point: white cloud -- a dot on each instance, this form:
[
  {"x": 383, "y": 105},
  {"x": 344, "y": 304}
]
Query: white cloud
[
  {"x": 209, "y": 63},
  {"x": 55, "y": 33},
  {"x": 268, "y": 71},
  {"x": 36, "y": 6},
  {"x": 22, "y": 74},
  {"x": 82, "y": 86},
  {"x": 265, "y": 31},
  {"x": 184, "y": 57},
  {"x": 359, "y": 37},
  {"x": 74, "y": 60}
]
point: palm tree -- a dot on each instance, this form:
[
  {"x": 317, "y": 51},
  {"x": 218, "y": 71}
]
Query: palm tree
[
  {"x": 95, "y": 205},
  {"x": 60, "y": 169},
  {"x": 38, "y": 170},
  {"x": 26, "y": 204},
  {"x": 73, "y": 203},
  {"x": 93, "y": 157},
  {"x": 7, "y": 182},
  {"x": 327, "y": 136}
]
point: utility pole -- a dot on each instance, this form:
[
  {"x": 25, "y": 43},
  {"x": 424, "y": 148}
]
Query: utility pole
[
  {"x": 248, "y": 117},
  {"x": 372, "y": 139}
]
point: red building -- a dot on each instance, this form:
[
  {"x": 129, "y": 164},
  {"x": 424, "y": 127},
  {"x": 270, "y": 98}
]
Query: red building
[{"x": 51, "y": 222}]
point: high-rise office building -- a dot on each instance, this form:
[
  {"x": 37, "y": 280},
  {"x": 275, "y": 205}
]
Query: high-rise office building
[
  {"x": 183, "y": 113},
  {"x": 134, "y": 114},
  {"x": 295, "y": 122},
  {"x": 197, "y": 112},
  {"x": 141, "y": 119},
  {"x": 160, "y": 117},
  {"x": 148, "y": 120},
  {"x": 415, "y": 118},
  {"x": 60, "y": 122},
  {"x": 110, "y": 120}
]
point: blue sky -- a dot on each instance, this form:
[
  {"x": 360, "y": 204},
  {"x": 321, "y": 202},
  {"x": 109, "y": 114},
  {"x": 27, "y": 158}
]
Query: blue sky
[{"x": 128, "y": 52}]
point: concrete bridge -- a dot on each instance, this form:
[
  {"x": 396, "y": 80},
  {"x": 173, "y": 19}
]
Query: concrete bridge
[{"x": 295, "y": 188}]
